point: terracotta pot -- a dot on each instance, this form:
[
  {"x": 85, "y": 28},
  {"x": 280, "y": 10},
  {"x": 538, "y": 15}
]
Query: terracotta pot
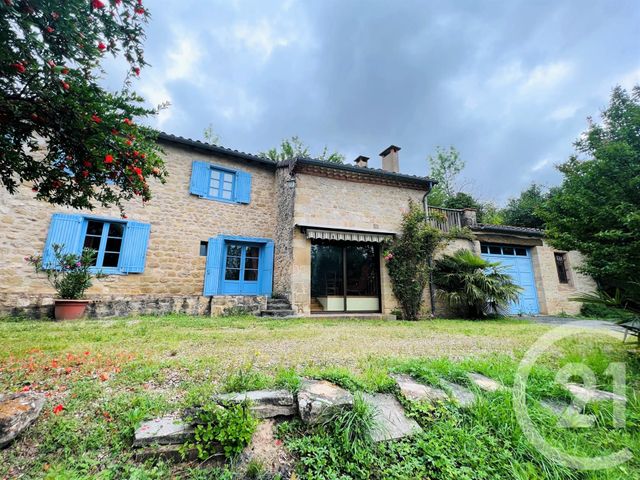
[{"x": 70, "y": 309}]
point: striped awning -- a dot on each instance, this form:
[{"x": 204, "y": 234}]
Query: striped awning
[{"x": 317, "y": 233}]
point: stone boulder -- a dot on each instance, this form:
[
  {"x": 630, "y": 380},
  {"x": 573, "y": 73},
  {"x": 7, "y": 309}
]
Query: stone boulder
[
  {"x": 315, "y": 396},
  {"x": 390, "y": 421},
  {"x": 17, "y": 412},
  {"x": 263, "y": 403},
  {"x": 167, "y": 430},
  {"x": 419, "y": 392}
]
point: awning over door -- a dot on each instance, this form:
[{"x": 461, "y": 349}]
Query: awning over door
[{"x": 325, "y": 233}]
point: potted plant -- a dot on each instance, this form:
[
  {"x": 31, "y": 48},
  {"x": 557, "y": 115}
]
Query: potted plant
[{"x": 70, "y": 275}]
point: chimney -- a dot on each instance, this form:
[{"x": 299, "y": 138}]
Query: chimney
[
  {"x": 390, "y": 161},
  {"x": 361, "y": 161}
]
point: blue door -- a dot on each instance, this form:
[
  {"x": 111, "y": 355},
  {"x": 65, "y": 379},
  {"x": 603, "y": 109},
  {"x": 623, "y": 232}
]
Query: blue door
[
  {"x": 518, "y": 264},
  {"x": 241, "y": 269}
]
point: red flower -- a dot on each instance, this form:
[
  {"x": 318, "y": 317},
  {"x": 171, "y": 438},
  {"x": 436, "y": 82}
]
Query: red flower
[
  {"x": 57, "y": 409},
  {"x": 97, "y": 4},
  {"x": 108, "y": 158},
  {"x": 65, "y": 85},
  {"x": 51, "y": 63},
  {"x": 104, "y": 376},
  {"x": 137, "y": 71},
  {"x": 123, "y": 216},
  {"x": 129, "y": 142},
  {"x": 49, "y": 29},
  {"x": 54, "y": 363},
  {"x": 85, "y": 173},
  {"x": 87, "y": 352},
  {"x": 101, "y": 46},
  {"x": 114, "y": 131},
  {"x": 67, "y": 370},
  {"x": 128, "y": 121},
  {"x": 19, "y": 67},
  {"x": 86, "y": 163},
  {"x": 137, "y": 170},
  {"x": 156, "y": 171},
  {"x": 139, "y": 10},
  {"x": 96, "y": 118},
  {"x": 136, "y": 153},
  {"x": 26, "y": 388},
  {"x": 65, "y": 71}
]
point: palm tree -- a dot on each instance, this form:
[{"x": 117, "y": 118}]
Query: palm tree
[{"x": 472, "y": 286}]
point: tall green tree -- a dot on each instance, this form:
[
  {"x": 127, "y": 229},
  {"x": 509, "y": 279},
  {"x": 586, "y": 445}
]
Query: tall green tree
[
  {"x": 596, "y": 209},
  {"x": 294, "y": 147},
  {"x": 445, "y": 167},
  {"x": 94, "y": 149},
  {"x": 524, "y": 211}
]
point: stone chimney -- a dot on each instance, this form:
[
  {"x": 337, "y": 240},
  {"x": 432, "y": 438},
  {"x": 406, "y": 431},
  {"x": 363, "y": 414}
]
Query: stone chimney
[
  {"x": 390, "y": 161},
  {"x": 361, "y": 161}
]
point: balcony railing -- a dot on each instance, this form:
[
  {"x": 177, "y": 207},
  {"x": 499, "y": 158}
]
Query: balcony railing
[{"x": 447, "y": 219}]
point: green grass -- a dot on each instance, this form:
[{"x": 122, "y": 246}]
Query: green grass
[{"x": 110, "y": 375}]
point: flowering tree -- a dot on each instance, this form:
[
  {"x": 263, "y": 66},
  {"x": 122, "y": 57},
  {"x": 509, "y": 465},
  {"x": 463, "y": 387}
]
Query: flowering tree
[{"x": 49, "y": 78}]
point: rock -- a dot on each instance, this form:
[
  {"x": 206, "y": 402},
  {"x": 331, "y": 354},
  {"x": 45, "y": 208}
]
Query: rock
[
  {"x": 485, "y": 383},
  {"x": 315, "y": 396},
  {"x": 167, "y": 430},
  {"x": 558, "y": 407},
  {"x": 267, "y": 451},
  {"x": 391, "y": 422},
  {"x": 592, "y": 395},
  {"x": 418, "y": 392},
  {"x": 264, "y": 403},
  {"x": 568, "y": 415},
  {"x": 461, "y": 395},
  {"x": 17, "y": 412}
]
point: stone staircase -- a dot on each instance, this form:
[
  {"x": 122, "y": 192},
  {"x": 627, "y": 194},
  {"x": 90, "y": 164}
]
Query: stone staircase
[{"x": 277, "y": 307}]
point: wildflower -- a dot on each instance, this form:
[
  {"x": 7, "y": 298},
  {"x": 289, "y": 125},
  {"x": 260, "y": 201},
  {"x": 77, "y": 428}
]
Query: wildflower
[
  {"x": 96, "y": 118},
  {"x": 26, "y": 388},
  {"x": 58, "y": 409},
  {"x": 97, "y": 4},
  {"x": 128, "y": 121},
  {"x": 101, "y": 46},
  {"x": 19, "y": 67},
  {"x": 108, "y": 158}
]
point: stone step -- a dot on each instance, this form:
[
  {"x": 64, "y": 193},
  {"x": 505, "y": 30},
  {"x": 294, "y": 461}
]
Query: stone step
[
  {"x": 167, "y": 430},
  {"x": 315, "y": 396},
  {"x": 592, "y": 395},
  {"x": 485, "y": 383},
  {"x": 278, "y": 303},
  {"x": 390, "y": 421},
  {"x": 276, "y": 313},
  {"x": 263, "y": 403},
  {"x": 461, "y": 395},
  {"x": 418, "y": 392}
]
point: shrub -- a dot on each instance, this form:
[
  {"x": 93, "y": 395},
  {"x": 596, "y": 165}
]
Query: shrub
[
  {"x": 69, "y": 274},
  {"x": 408, "y": 258},
  {"x": 230, "y": 428},
  {"x": 473, "y": 286}
]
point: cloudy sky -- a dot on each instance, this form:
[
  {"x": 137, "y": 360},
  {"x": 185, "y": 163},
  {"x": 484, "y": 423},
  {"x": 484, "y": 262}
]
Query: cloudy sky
[{"x": 508, "y": 83}]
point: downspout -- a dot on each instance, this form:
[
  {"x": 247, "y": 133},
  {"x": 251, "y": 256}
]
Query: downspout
[{"x": 432, "y": 291}]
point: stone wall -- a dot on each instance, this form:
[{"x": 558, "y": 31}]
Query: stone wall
[
  {"x": 334, "y": 203},
  {"x": 285, "y": 187},
  {"x": 179, "y": 222}
]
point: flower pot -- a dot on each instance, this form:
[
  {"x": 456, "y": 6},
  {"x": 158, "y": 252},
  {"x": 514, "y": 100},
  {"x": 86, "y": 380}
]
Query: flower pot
[{"x": 70, "y": 309}]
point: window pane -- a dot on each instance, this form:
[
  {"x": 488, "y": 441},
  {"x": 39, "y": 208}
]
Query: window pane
[
  {"x": 91, "y": 241},
  {"x": 233, "y": 262},
  {"x": 253, "y": 251},
  {"x": 215, "y": 174},
  {"x": 110, "y": 260},
  {"x": 250, "y": 275},
  {"x": 113, "y": 244},
  {"x": 508, "y": 251},
  {"x": 215, "y": 184},
  {"x": 94, "y": 228},
  {"x": 250, "y": 262},
  {"x": 234, "y": 250},
  {"x": 521, "y": 251},
  {"x": 232, "y": 274},
  {"x": 116, "y": 230},
  {"x": 484, "y": 249},
  {"x": 203, "y": 248},
  {"x": 495, "y": 250},
  {"x": 228, "y": 178},
  {"x": 226, "y": 194}
]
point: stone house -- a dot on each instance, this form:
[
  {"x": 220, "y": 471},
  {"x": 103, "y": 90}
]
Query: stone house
[{"x": 230, "y": 229}]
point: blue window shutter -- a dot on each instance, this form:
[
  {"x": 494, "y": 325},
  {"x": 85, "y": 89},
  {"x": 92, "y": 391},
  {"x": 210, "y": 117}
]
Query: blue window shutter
[
  {"x": 214, "y": 267},
  {"x": 200, "y": 177},
  {"x": 134, "y": 247},
  {"x": 64, "y": 230},
  {"x": 243, "y": 187},
  {"x": 266, "y": 271}
]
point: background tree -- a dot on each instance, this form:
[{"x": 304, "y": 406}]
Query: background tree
[
  {"x": 49, "y": 79},
  {"x": 596, "y": 209},
  {"x": 294, "y": 147},
  {"x": 524, "y": 211},
  {"x": 444, "y": 166}
]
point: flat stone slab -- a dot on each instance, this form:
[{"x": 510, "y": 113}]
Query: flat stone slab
[
  {"x": 592, "y": 395},
  {"x": 263, "y": 403},
  {"x": 391, "y": 422},
  {"x": 461, "y": 395},
  {"x": 485, "y": 383},
  {"x": 418, "y": 392},
  {"x": 18, "y": 411},
  {"x": 559, "y": 407},
  {"x": 168, "y": 430},
  {"x": 315, "y": 396}
]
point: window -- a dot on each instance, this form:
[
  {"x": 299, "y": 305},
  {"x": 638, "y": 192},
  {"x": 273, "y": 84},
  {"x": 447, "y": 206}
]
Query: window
[
  {"x": 242, "y": 263},
  {"x": 203, "y": 249},
  {"x": 522, "y": 252},
  {"x": 221, "y": 184},
  {"x": 561, "y": 267},
  {"x": 106, "y": 239},
  {"x": 121, "y": 246}
]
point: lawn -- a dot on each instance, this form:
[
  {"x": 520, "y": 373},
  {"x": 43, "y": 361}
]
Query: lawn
[{"x": 109, "y": 375}]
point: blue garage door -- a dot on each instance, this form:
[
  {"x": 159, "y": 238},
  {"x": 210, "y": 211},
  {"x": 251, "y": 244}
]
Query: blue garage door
[{"x": 517, "y": 261}]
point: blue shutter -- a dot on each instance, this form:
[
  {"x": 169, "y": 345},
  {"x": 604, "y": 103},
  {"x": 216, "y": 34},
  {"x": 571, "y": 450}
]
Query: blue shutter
[
  {"x": 266, "y": 271},
  {"x": 134, "y": 247},
  {"x": 213, "y": 269},
  {"x": 243, "y": 187},
  {"x": 200, "y": 178},
  {"x": 64, "y": 230}
]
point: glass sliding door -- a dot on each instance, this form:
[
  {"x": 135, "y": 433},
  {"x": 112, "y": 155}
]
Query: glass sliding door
[{"x": 345, "y": 277}]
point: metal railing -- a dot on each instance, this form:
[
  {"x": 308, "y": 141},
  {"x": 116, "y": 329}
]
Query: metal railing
[{"x": 446, "y": 219}]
